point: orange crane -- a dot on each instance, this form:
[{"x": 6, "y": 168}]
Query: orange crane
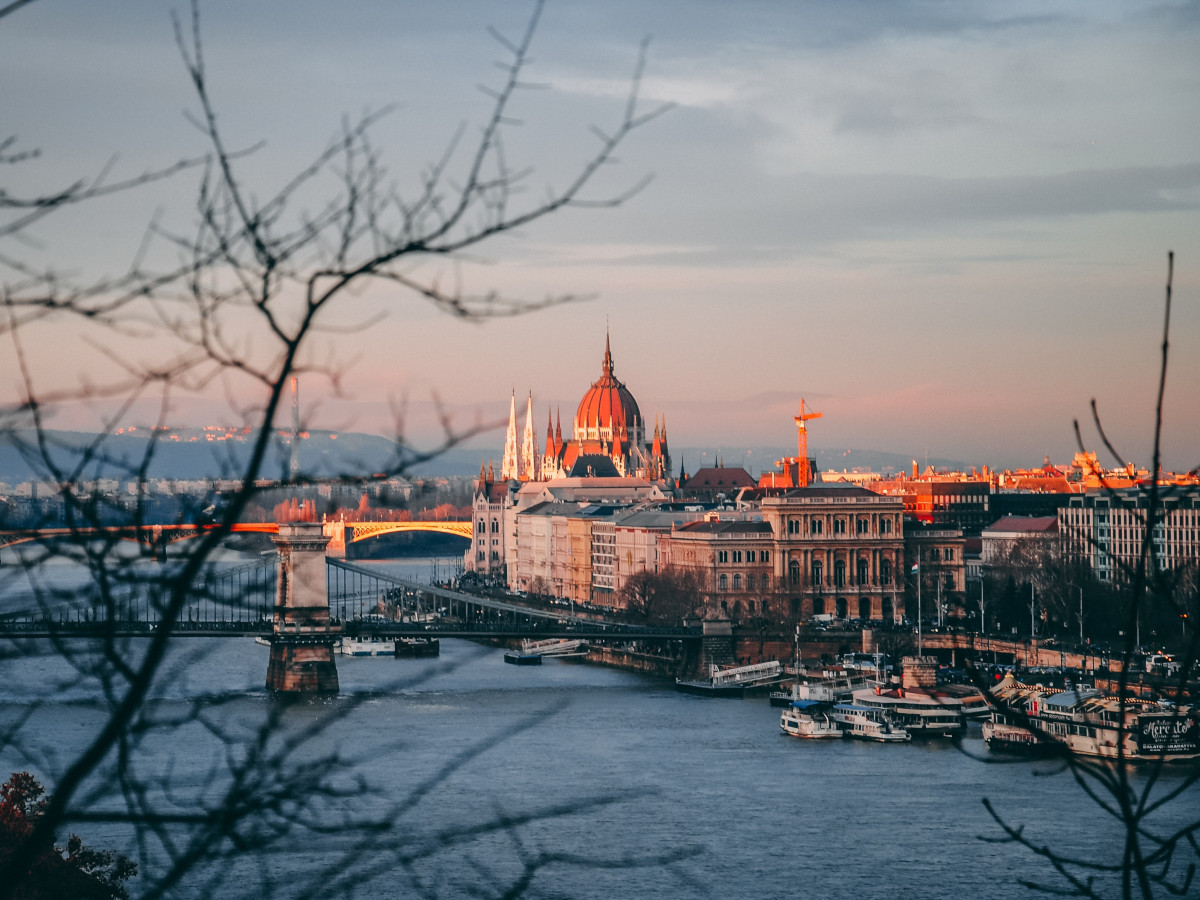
[{"x": 803, "y": 472}]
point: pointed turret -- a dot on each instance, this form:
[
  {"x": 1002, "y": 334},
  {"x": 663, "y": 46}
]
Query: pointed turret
[
  {"x": 529, "y": 460},
  {"x": 510, "y": 464}
]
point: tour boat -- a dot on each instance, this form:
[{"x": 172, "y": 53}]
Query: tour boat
[
  {"x": 865, "y": 723},
  {"x": 808, "y": 719},
  {"x": 1085, "y": 722},
  {"x": 920, "y": 712}
]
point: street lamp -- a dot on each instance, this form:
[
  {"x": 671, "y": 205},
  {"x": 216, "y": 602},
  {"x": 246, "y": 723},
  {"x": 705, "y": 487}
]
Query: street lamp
[
  {"x": 982, "y": 618},
  {"x": 1032, "y": 623},
  {"x": 1079, "y": 588}
]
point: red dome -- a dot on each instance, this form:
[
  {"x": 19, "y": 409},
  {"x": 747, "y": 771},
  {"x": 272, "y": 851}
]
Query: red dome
[{"x": 608, "y": 410}]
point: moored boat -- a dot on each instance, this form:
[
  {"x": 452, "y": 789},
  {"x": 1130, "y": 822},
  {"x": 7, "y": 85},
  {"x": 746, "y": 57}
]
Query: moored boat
[
  {"x": 517, "y": 658},
  {"x": 867, "y": 724},
  {"x": 808, "y": 719},
  {"x": 1085, "y": 722},
  {"x": 920, "y": 712},
  {"x": 366, "y": 646},
  {"x": 709, "y": 688}
]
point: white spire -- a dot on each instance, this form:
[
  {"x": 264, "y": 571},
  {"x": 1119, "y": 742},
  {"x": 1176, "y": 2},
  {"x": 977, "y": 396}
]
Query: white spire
[
  {"x": 529, "y": 455},
  {"x": 508, "y": 465}
]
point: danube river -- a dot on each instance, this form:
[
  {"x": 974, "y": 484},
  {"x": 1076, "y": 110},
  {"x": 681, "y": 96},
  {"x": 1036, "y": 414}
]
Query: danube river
[{"x": 609, "y": 772}]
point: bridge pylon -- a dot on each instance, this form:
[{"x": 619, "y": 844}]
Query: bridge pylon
[{"x": 303, "y": 640}]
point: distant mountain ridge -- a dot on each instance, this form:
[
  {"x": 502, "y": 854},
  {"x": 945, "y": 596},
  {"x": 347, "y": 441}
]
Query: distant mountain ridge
[{"x": 196, "y": 453}]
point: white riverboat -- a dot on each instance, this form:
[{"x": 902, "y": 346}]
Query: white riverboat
[
  {"x": 810, "y": 720},
  {"x": 366, "y": 646},
  {"x": 921, "y": 712},
  {"x": 865, "y": 723},
  {"x": 1084, "y": 722}
]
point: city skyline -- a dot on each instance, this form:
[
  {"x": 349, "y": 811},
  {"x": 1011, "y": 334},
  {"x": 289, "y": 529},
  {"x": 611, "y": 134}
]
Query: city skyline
[{"x": 944, "y": 226}]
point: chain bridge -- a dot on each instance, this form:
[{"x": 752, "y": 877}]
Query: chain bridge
[{"x": 304, "y": 602}]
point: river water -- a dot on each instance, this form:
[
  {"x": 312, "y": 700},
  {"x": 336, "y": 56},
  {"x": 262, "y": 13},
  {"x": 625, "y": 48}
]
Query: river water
[{"x": 635, "y": 790}]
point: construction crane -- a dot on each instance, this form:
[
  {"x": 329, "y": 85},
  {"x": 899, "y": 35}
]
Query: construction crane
[{"x": 803, "y": 472}]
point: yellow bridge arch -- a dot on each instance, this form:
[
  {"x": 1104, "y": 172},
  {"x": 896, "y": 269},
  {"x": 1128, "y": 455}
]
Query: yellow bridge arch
[{"x": 363, "y": 530}]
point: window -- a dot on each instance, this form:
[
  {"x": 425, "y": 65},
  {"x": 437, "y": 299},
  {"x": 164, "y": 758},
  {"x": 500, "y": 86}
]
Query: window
[
  {"x": 482, "y": 526},
  {"x": 948, "y": 554},
  {"x": 722, "y": 556},
  {"x": 864, "y": 608},
  {"x": 840, "y": 607},
  {"x": 885, "y": 526},
  {"x": 862, "y": 526},
  {"x": 885, "y": 571},
  {"x": 737, "y": 556},
  {"x": 839, "y": 573},
  {"x": 863, "y": 577},
  {"x": 764, "y": 555},
  {"x": 817, "y": 573},
  {"x": 794, "y": 571},
  {"x": 793, "y": 526},
  {"x": 818, "y": 606},
  {"x": 495, "y": 526},
  {"x": 839, "y": 526},
  {"x": 749, "y": 582},
  {"x": 766, "y": 582},
  {"x": 817, "y": 526},
  {"x": 723, "y": 582},
  {"x": 737, "y": 581}
]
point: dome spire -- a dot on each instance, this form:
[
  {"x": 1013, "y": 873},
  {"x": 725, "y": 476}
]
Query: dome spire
[{"x": 608, "y": 364}]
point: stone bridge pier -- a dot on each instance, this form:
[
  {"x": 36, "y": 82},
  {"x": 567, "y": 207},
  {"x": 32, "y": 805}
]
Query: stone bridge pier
[{"x": 302, "y": 644}]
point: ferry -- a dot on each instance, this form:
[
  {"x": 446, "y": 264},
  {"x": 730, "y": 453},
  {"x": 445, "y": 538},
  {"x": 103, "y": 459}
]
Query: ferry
[
  {"x": 809, "y": 719},
  {"x": 921, "y": 712},
  {"x": 1085, "y": 722},
  {"x": 867, "y": 724}
]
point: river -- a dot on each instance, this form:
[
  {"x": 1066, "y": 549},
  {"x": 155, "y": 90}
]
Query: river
[{"x": 613, "y": 769}]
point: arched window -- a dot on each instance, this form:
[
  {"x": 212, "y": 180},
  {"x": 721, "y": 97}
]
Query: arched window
[
  {"x": 887, "y": 609},
  {"x": 839, "y": 573},
  {"x": 885, "y": 571},
  {"x": 885, "y": 526},
  {"x": 818, "y": 606},
  {"x": 863, "y": 577},
  {"x": 482, "y": 526},
  {"x": 818, "y": 574},
  {"x": 793, "y": 526},
  {"x": 723, "y": 582},
  {"x": 794, "y": 571},
  {"x": 817, "y": 526},
  {"x": 864, "y": 608},
  {"x": 862, "y": 526},
  {"x": 766, "y": 608},
  {"x": 766, "y": 582},
  {"x": 839, "y": 526},
  {"x": 749, "y": 582},
  {"x": 840, "y": 608},
  {"x": 737, "y": 581},
  {"x": 495, "y": 526}
]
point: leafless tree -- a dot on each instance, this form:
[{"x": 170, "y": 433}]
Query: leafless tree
[
  {"x": 254, "y": 280},
  {"x": 1152, "y": 806}
]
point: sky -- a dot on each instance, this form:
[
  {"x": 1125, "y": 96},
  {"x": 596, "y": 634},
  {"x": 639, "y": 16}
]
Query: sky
[{"x": 943, "y": 224}]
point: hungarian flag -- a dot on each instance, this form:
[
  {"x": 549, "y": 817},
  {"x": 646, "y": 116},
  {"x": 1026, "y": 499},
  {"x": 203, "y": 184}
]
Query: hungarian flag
[{"x": 916, "y": 566}]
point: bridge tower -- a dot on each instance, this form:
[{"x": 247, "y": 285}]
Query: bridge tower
[{"x": 302, "y": 644}]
